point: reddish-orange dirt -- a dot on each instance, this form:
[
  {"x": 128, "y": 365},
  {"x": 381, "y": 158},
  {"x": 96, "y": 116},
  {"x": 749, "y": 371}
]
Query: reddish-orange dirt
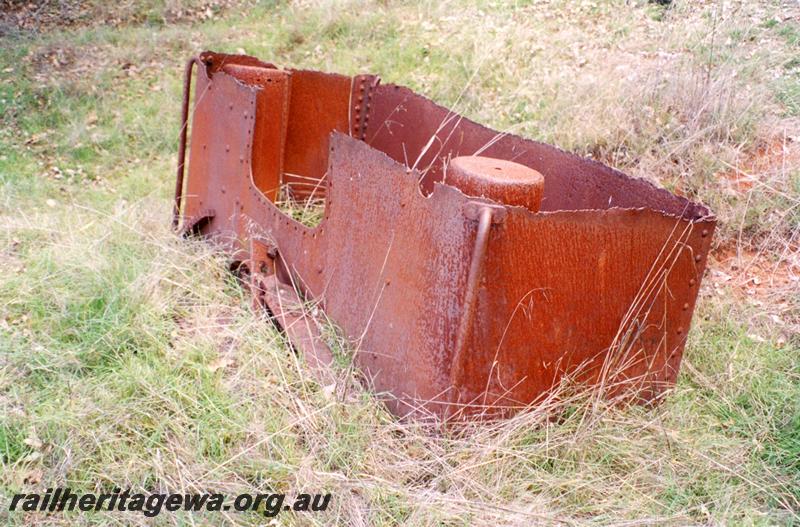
[{"x": 771, "y": 157}]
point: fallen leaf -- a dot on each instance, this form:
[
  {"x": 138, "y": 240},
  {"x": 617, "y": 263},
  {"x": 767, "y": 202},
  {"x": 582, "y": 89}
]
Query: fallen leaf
[
  {"x": 33, "y": 440},
  {"x": 33, "y": 477},
  {"x": 33, "y": 456},
  {"x": 220, "y": 363}
]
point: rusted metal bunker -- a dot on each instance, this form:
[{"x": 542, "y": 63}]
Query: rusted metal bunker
[{"x": 471, "y": 269}]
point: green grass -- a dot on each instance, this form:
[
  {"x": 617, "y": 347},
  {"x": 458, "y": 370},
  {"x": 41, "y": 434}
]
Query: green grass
[
  {"x": 129, "y": 357},
  {"x": 12, "y": 442}
]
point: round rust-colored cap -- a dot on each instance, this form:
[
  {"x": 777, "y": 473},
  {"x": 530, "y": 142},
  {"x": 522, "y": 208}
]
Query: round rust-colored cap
[{"x": 503, "y": 181}]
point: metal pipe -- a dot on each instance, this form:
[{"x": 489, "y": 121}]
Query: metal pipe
[
  {"x": 471, "y": 293},
  {"x": 187, "y": 88}
]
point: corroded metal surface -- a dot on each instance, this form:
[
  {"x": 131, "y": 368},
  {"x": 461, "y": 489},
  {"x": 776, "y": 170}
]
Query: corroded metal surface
[{"x": 456, "y": 304}]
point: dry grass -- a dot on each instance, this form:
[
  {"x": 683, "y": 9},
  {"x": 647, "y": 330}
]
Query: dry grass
[
  {"x": 309, "y": 211},
  {"x": 131, "y": 358}
]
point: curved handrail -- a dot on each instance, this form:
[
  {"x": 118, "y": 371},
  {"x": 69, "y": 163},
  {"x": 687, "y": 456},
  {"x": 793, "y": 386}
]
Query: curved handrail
[{"x": 187, "y": 86}]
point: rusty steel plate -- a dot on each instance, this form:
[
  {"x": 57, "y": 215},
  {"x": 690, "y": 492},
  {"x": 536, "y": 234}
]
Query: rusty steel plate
[{"x": 467, "y": 286}]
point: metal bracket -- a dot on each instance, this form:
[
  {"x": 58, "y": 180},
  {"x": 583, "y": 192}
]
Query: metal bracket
[
  {"x": 193, "y": 225},
  {"x": 472, "y": 211},
  {"x": 294, "y": 319}
]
